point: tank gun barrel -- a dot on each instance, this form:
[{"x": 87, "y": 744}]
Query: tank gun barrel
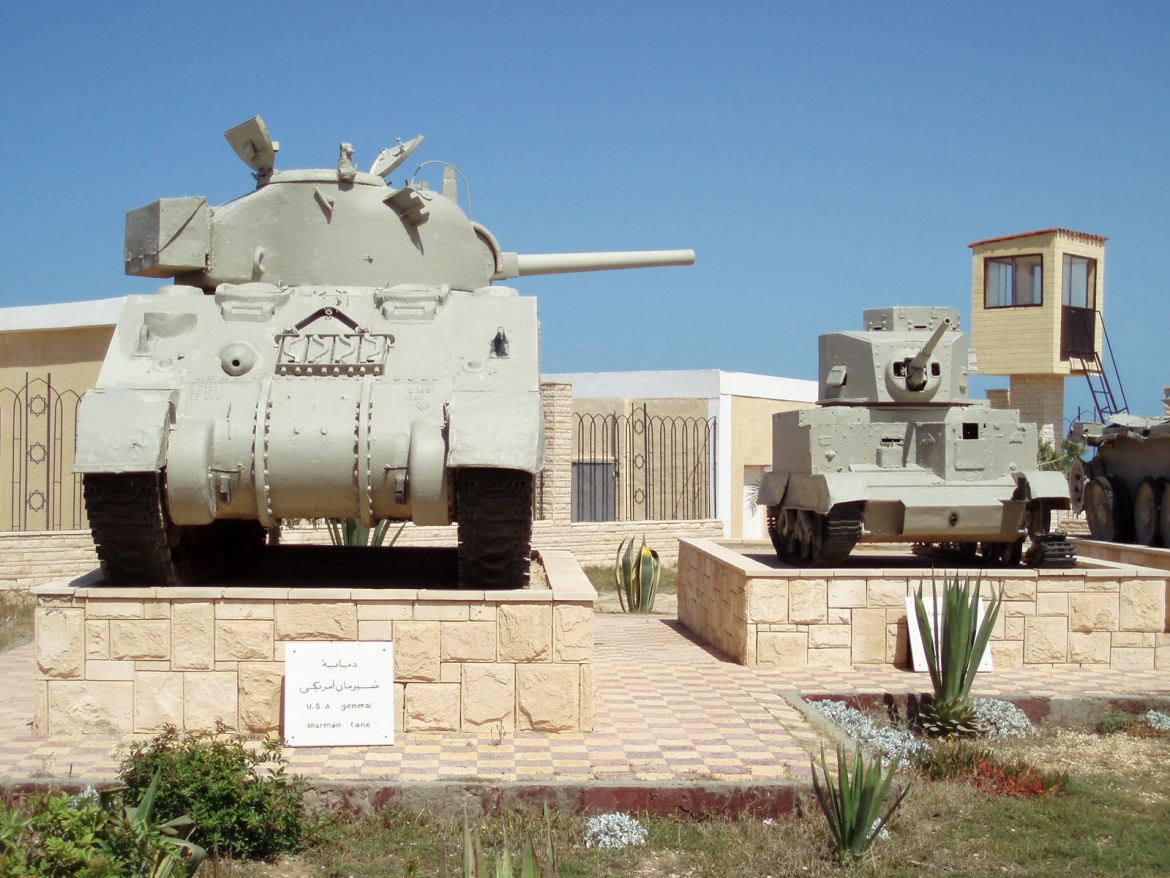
[
  {"x": 916, "y": 370},
  {"x": 523, "y": 264}
]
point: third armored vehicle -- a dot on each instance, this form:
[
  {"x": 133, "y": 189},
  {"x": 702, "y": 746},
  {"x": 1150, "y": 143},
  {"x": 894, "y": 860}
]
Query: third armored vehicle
[
  {"x": 1125, "y": 489},
  {"x": 330, "y": 346},
  {"x": 897, "y": 452}
]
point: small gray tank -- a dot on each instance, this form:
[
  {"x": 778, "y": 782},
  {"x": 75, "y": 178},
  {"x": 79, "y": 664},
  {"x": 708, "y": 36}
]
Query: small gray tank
[
  {"x": 896, "y": 452},
  {"x": 330, "y": 346},
  {"x": 1124, "y": 490}
]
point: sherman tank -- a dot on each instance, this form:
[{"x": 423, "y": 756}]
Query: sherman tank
[
  {"x": 896, "y": 452},
  {"x": 329, "y": 345},
  {"x": 1124, "y": 489}
]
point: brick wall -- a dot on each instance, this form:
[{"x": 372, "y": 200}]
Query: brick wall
[
  {"x": 28, "y": 558},
  {"x": 1097, "y": 615},
  {"x": 1040, "y": 401}
]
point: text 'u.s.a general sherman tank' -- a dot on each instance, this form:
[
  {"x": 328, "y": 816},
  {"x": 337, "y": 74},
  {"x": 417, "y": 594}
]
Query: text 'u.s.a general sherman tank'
[
  {"x": 1124, "y": 489},
  {"x": 897, "y": 452},
  {"x": 331, "y": 347}
]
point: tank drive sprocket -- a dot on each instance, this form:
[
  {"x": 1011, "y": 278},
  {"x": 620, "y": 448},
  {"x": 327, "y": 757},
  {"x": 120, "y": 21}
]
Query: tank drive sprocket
[
  {"x": 495, "y": 527},
  {"x": 811, "y": 539}
]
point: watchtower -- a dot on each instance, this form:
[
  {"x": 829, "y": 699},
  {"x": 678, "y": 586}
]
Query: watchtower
[{"x": 1036, "y": 305}]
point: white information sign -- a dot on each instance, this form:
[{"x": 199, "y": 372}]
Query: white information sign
[
  {"x": 338, "y": 694},
  {"x": 918, "y": 651}
]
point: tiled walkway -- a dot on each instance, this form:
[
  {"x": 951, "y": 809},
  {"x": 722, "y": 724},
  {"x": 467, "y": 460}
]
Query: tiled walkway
[{"x": 667, "y": 708}]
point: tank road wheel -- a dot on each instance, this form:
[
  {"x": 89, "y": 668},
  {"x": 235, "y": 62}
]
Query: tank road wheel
[
  {"x": 494, "y": 513},
  {"x": 134, "y": 540},
  {"x": 1107, "y": 509},
  {"x": 1147, "y": 513}
]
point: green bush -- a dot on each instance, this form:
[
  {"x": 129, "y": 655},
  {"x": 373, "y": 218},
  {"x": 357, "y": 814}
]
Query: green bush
[
  {"x": 242, "y": 801},
  {"x": 93, "y": 836}
]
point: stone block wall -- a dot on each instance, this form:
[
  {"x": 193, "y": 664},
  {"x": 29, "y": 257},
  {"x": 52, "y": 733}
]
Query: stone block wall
[
  {"x": 1098, "y": 615},
  {"x": 117, "y": 660}
]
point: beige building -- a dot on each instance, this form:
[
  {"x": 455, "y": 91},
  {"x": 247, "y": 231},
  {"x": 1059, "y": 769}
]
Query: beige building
[
  {"x": 673, "y": 408},
  {"x": 1036, "y": 305}
]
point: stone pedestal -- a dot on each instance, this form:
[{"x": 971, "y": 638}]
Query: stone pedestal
[
  {"x": 114, "y": 660},
  {"x": 1099, "y": 614}
]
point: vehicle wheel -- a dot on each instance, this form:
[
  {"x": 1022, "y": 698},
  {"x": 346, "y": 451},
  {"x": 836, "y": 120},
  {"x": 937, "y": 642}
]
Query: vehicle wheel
[
  {"x": 1164, "y": 510},
  {"x": 494, "y": 513},
  {"x": 1107, "y": 509},
  {"x": 1147, "y": 512}
]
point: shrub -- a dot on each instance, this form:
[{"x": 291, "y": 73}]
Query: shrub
[
  {"x": 890, "y": 742},
  {"x": 978, "y": 766},
  {"x": 94, "y": 836},
  {"x": 1001, "y": 720},
  {"x": 241, "y": 800}
]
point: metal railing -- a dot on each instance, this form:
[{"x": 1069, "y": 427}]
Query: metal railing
[
  {"x": 643, "y": 467},
  {"x": 38, "y": 427}
]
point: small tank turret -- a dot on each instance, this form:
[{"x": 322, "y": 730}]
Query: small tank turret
[
  {"x": 896, "y": 451},
  {"x": 330, "y": 346}
]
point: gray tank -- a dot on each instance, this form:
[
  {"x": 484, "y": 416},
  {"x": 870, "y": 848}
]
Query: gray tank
[
  {"x": 1124, "y": 489},
  {"x": 896, "y": 452},
  {"x": 330, "y": 346}
]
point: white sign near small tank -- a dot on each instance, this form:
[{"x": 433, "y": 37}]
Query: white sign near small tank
[{"x": 338, "y": 694}]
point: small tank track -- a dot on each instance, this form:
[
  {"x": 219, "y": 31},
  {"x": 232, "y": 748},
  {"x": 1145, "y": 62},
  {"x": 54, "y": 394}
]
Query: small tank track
[
  {"x": 1051, "y": 550},
  {"x": 130, "y": 529},
  {"x": 494, "y": 515},
  {"x": 842, "y": 530}
]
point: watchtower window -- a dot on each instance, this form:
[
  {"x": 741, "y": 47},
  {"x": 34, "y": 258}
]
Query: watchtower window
[
  {"x": 970, "y": 431},
  {"x": 1013, "y": 281},
  {"x": 1079, "y": 282}
]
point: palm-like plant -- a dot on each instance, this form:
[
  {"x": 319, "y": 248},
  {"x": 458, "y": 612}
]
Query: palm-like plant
[
  {"x": 351, "y": 532},
  {"x": 853, "y": 804},
  {"x": 954, "y": 642}
]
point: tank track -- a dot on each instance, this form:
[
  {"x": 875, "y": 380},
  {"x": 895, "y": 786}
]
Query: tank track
[
  {"x": 842, "y": 530},
  {"x": 130, "y": 528},
  {"x": 494, "y": 514},
  {"x": 1051, "y": 550}
]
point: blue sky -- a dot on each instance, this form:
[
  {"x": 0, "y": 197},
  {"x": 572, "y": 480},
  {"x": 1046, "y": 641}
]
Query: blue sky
[{"x": 820, "y": 157}]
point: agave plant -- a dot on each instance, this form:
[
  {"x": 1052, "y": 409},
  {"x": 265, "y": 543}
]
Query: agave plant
[
  {"x": 476, "y": 865},
  {"x": 636, "y": 573},
  {"x": 954, "y": 642},
  {"x": 852, "y": 801},
  {"x": 351, "y": 532},
  {"x": 172, "y": 854}
]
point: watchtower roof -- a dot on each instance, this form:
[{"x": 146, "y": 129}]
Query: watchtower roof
[{"x": 1087, "y": 237}]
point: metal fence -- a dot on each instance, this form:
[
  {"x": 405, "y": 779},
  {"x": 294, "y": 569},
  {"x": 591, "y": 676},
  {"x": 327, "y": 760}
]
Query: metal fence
[
  {"x": 643, "y": 467},
  {"x": 38, "y": 489}
]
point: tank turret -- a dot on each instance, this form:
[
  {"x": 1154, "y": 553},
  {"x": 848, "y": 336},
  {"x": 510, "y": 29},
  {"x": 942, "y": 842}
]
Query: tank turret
[
  {"x": 330, "y": 345},
  {"x": 902, "y": 356},
  {"x": 897, "y": 452}
]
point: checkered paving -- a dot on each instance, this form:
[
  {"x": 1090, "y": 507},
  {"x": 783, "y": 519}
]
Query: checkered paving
[{"x": 667, "y": 709}]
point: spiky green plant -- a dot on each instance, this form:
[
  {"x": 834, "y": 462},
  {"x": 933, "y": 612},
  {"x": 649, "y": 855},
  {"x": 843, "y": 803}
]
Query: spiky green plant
[
  {"x": 636, "y": 574},
  {"x": 351, "y": 532},
  {"x": 852, "y": 800},
  {"x": 954, "y": 643},
  {"x": 476, "y": 865}
]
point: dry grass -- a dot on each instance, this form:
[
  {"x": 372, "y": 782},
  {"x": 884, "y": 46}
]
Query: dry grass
[{"x": 16, "y": 618}]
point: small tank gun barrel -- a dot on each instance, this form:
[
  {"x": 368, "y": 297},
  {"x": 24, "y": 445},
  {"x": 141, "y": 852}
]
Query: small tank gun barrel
[
  {"x": 523, "y": 264},
  {"x": 916, "y": 368}
]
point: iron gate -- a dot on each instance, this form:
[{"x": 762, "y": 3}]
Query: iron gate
[
  {"x": 643, "y": 467},
  {"x": 38, "y": 426}
]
